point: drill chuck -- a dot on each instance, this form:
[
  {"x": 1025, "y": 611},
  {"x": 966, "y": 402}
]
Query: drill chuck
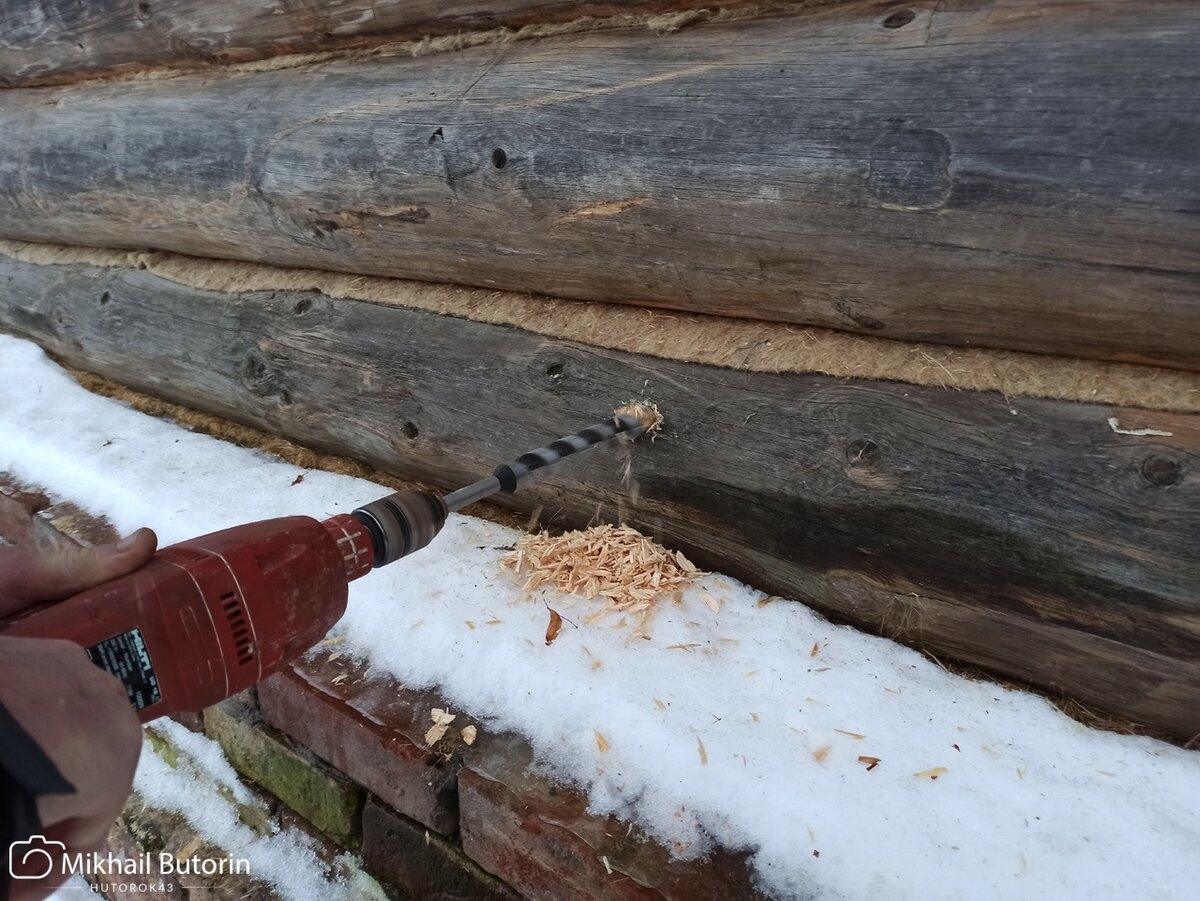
[{"x": 402, "y": 523}]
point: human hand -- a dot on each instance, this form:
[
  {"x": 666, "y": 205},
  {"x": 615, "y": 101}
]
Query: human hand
[{"x": 78, "y": 714}]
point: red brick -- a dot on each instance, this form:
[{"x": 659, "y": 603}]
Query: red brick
[
  {"x": 539, "y": 838},
  {"x": 373, "y": 730},
  {"x": 403, "y": 853}
]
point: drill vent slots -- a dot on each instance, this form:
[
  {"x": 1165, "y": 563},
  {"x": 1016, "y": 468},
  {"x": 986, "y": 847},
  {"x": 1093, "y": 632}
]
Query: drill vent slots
[{"x": 241, "y": 629}]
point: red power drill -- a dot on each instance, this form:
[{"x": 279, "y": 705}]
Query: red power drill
[{"x": 209, "y": 617}]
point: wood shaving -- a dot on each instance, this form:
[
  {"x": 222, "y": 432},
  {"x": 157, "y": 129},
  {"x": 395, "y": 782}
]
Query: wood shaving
[
  {"x": 816, "y": 649},
  {"x": 468, "y": 735},
  {"x": 644, "y": 412},
  {"x": 330, "y": 642},
  {"x": 659, "y": 704},
  {"x": 601, "y": 742},
  {"x": 870, "y": 762},
  {"x": 932, "y": 774},
  {"x": 683, "y": 647},
  {"x": 821, "y": 753},
  {"x": 851, "y": 734},
  {"x": 441, "y": 722},
  {"x": 712, "y": 603},
  {"x": 616, "y": 563},
  {"x": 703, "y": 753}
]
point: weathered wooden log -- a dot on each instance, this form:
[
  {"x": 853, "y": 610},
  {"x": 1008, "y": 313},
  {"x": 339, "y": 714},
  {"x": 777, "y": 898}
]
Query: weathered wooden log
[
  {"x": 1030, "y": 536},
  {"x": 1022, "y": 175},
  {"x": 58, "y": 41}
]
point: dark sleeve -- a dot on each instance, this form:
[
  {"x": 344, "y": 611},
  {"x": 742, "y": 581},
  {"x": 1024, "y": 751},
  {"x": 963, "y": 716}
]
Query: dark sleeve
[{"x": 26, "y": 773}]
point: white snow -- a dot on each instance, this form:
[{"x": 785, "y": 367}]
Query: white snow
[
  {"x": 1031, "y": 804},
  {"x": 285, "y": 859}
]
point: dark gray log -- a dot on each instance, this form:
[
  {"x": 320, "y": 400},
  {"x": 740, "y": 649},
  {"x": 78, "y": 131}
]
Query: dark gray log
[
  {"x": 1024, "y": 175},
  {"x": 1027, "y": 537},
  {"x": 58, "y": 41}
]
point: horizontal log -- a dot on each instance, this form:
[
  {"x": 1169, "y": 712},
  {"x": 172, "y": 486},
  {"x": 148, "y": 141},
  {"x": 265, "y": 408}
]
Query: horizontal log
[
  {"x": 1020, "y": 175},
  {"x": 1027, "y": 536},
  {"x": 58, "y": 41}
]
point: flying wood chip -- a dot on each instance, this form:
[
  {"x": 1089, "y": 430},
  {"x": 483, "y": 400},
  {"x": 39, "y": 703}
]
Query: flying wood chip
[
  {"x": 703, "y": 753},
  {"x": 871, "y": 762},
  {"x": 932, "y": 774},
  {"x": 601, "y": 742},
  {"x": 468, "y": 735},
  {"x": 554, "y": 627}
]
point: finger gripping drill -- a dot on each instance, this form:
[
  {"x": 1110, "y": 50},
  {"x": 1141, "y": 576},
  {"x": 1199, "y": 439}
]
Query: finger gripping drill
[{"x": 209, "y": 617}]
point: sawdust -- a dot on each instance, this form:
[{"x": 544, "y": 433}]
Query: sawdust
[
  {"x": 652, "y": 18},
  {"x": 617, "y": 563},
  {"x": 742, "y": 344},
  {"x": 645, "y": 412}
]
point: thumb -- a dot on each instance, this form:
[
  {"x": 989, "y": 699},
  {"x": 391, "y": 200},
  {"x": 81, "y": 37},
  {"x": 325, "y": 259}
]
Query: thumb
[{"x": 50, "y": 575}]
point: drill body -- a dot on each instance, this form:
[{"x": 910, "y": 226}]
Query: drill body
[
  {"x": 212, "y": 616},
  {"x": 209, "y": 617}
]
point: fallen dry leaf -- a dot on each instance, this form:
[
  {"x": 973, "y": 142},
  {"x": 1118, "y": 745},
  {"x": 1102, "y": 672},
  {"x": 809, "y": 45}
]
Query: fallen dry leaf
[
  {"x": 468, "y": 735},
  {"x": 601, "y": 742},
  {"x": 703, "y": 753},
  {"x": 821, "y": 753},
  {"x": 554, "y": 627},
  {"x": 932, "y": 774},
  {"x": 871, "y": 762}
]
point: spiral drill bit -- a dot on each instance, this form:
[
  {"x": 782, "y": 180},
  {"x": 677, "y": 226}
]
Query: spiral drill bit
[{"x": 507, "y": 477}]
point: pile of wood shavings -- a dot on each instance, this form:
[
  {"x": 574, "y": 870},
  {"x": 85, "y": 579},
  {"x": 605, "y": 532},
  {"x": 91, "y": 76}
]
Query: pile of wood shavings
[{"x": 616, "y": 563}]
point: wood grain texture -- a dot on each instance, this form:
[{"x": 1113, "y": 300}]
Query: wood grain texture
[
  {"x": 1027, "y": 537},
  {"x": 1017, "y": 174},
  {"x": 58, "y": 41}
]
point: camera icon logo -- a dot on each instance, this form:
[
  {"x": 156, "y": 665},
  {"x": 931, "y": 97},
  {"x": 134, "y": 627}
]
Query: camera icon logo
[{"x": 34, "y": 858}]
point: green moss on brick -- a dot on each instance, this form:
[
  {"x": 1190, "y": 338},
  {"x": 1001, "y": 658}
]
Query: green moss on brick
[{"x": 311, "y": 788}]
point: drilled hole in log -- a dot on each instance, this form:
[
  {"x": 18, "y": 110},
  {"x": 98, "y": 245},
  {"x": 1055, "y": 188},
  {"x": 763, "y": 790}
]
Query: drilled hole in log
[
  {"x": 409, "y": 429},
  {"x": 303, "y": 305},
  {"x": 900, "y": 19},
  {"x": 554, "y": 370},
  {"x": 499, "y": 158},
  {"x": 105, "y": 298}
]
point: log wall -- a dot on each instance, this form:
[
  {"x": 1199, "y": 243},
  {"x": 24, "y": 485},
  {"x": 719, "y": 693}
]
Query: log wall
[
  {"x": 1018, "y": 175},
  {"x": 58, "y": 41},
  {"x": 1023, "y": 535}
]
